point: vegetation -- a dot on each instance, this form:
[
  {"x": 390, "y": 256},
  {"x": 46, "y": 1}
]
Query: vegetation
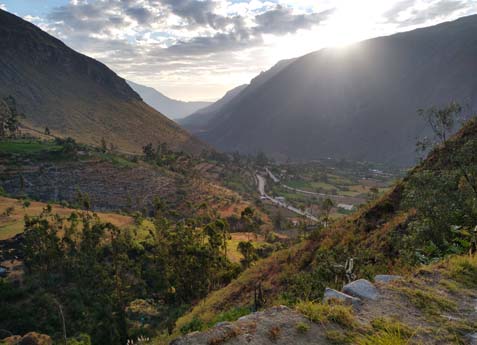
[
  {"x": 322, "y": 313},
  {"x": 175, "y": 263}
]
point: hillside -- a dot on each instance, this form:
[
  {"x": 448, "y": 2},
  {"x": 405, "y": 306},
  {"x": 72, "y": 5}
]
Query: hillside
[
  {"x": 74, "y": 95},
  {"x": 434, "y": 305},
  {"x": 197, "y": 121},
  {"x": 108, "y": 181},
  {"x": 172, "y": 108},
  {"x": 219, "y": 112},
  {"x": 341, "y": 102},
  {"x": 387, "y": 236}
]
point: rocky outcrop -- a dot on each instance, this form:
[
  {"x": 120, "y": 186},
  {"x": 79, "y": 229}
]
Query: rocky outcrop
[
  {"x": 278, "y": 325},
  {"x": 331, "y": 294},
  {"x": 362, "y": 289},
  {"x": 386, "y": 278}
]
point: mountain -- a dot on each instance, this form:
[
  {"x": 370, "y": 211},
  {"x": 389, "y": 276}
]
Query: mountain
[
  {"x": 172, "y": 108},
  {"x": 74, "y": 95},
  {"x": 357, "y": 102},
  {"x": 201, "y": 118},
  {"x": 218, "y": 112}
]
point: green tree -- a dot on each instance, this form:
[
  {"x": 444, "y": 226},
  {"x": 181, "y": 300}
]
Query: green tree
[
  {"x": 326, "y": 206},
  {"x": 248, "y": 252},
  {"x": 441, "y": 121}
]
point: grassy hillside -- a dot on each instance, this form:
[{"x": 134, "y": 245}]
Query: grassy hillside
[
  {"x": 385, "y": 236},
  {"x": 13, "y": 212},
  {"x": 433, "y": 305}
]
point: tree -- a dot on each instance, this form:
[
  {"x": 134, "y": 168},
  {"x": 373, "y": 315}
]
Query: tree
[
  {"x": 441, "y": 121},
  {"x": 248, "y": 252},
  {"x": 9, "y": 116},
  {"x": 327, "y": 206},
  {"x": 149, "y": 152},
  {"x": 278, "y": 220},
  {"x": 47, "y": 131}
]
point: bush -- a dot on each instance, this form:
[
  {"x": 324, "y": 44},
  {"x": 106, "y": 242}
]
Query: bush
[
  {"x": 302, "y": 327},
  {"x": 195, "y": 325}
]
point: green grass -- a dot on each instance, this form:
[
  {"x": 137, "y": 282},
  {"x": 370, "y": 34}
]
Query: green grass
[
  {"x": 27, "y": 147},
  {"x": 429, "y": 302},
  {"x": 10, "y": 230},
  {"x": 117, "y": 160},
  {"x": 323, "y": 313}
]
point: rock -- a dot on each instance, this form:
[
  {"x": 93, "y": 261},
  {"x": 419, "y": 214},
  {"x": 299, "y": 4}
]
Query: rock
[
  {"x": 331, "y": 294},
  {"x": 362, "y": 289},
  {"x": 473, "y": 338},
  {"x": 386, "y": 278}
]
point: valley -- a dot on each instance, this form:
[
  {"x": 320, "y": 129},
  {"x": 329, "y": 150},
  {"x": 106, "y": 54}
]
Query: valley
[{"x": 332, "y": 200}]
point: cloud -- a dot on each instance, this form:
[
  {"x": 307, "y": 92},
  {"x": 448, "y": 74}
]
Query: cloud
[
  {"x": 414, "y": 12},
  {"x": 178, "y": 45},
  {"x": 3, "y": 7},
  {"x": 281, "y": 20}
]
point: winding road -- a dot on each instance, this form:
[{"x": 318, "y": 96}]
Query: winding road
[{"x": 261, "y": 182}]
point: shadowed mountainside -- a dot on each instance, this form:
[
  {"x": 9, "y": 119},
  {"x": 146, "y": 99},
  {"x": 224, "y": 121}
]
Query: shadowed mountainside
[{"x": 357, "y": 102}]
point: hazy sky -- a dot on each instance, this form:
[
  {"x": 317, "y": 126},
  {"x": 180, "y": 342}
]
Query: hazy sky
[{"x": 199, "y": 49}]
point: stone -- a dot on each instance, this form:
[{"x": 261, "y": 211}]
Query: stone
[
  {"x": 361, "y": 288},
  {"x": 472, "y": 338},
  {"x": 386, "y": 278},
  {"x": 331, "y": 294}
]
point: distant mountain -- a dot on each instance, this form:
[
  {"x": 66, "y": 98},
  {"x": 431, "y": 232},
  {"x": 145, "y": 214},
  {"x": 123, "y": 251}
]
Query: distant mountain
[
  {"x": 357, "y": 102},
  {"x": 210, "y": 116},
  {"x": 201, "y": 118},
  {"x": 172, "y": 108},
  {"x": 75, "y": 95}
]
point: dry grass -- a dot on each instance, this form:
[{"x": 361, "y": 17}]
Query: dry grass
[{"x": 13, "y": 224}]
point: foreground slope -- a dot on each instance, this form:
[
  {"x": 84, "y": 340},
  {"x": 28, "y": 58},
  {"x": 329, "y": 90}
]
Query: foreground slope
[
  {"x": 434, "y": 305},
  {"x": 172, "y": 108},
  {"x": 74, "y": 95},
  {"x": 340, "y": 102},
  {"x": 380, "y": 238}
]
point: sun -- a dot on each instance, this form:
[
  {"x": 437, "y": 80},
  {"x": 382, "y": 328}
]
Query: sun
[{"x": 352, "y": 21}]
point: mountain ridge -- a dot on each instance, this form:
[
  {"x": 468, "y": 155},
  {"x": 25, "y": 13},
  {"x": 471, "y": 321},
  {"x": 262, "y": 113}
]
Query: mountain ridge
[
  {"x": 172, "y": 108},
  {"x": 338, "y": 102},
  {"x": 77, "y": 96}
]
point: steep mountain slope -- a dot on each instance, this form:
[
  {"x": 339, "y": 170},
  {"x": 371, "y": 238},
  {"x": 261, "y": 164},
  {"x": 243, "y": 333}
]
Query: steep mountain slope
[
  {"x": 340, "y": 102},
  {"x": 75, "y": 95},
  {"x": 172, "y": 108},
  {"x": 381, "y": 237},
  {"x": 218, "y": 113},
  {"x": 201, "y": 118}
]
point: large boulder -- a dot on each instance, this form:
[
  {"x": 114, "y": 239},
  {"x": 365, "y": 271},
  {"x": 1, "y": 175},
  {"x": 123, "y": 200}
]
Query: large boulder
[
  {"x": 331, "y": 294},
  {"x": 361, "y": 288}
]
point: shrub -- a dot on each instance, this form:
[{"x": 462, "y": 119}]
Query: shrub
[
  {"x": 302, "y": 327},
  {"x": 195, "y": 325}
]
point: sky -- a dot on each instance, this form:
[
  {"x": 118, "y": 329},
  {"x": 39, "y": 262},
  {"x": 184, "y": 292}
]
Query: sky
[{"x": 199, "y": 49}]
